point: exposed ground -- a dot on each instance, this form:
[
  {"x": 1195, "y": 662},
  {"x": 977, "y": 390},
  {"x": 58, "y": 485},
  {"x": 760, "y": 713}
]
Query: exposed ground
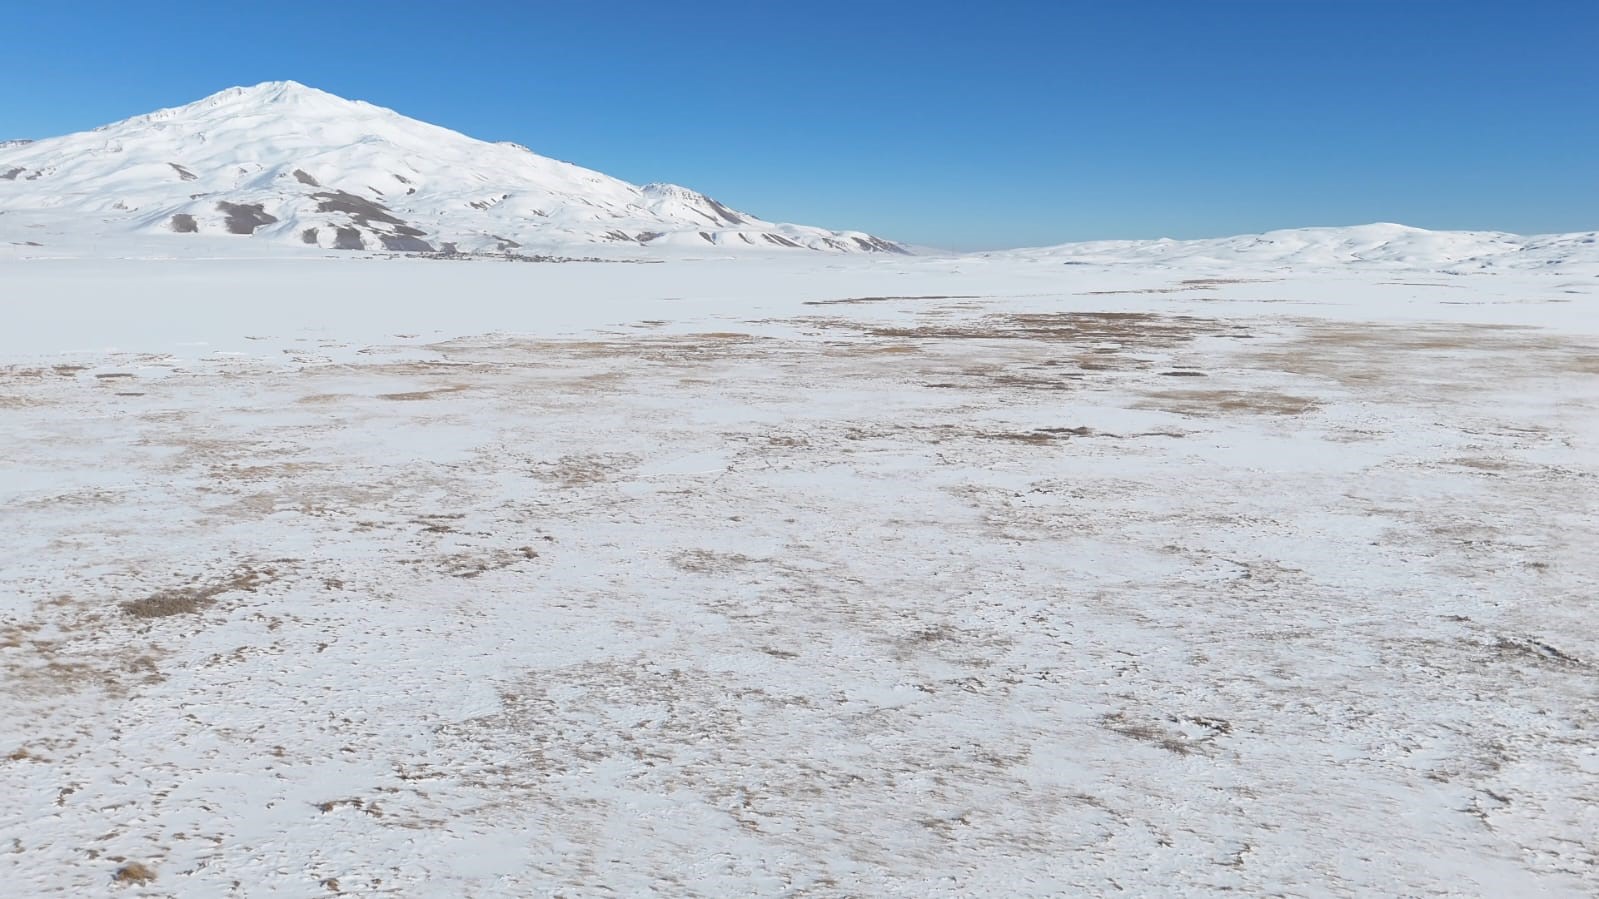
[{"x": 932, "y": 594}]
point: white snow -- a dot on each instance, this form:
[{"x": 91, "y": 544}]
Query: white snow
[
  {"x": 301, "y": 155},
  {"x": 797, "y": 575},
  {"x": 1260, "y": 565},
  {"x": 1368, "y": 246}
]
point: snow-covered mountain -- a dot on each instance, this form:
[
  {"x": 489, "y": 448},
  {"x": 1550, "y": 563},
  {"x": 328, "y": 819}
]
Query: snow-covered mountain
[
  {"x": 289, "y": 165},
  {"x": 1377, "y": 245},
  {"x": 286, "y": 163}
]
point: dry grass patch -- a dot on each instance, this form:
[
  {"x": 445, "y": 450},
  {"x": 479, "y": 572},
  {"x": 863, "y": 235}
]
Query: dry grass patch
[
  {"x": 468, "y": 565},
  {"x": 1037, "y": 437},
  {"x": 323, "y": 399},
  {"x": 891, "y": 349},
  {"x": 1583, "y": 363},
  {"x": 853, "y": 301},
  {"x": 1128, "y": 330},
  {"x": 191, "y": 598},
  {"x": 1429, "y": 361},
  {"x": 1108, "y": 293},
  {"x": 135, "y": 873},
  {"x": 413, "y": 395},
  {"x": 586, "y": 469},
  {"x": 1184, "y": 286},
  {"x": 1224, "y": 402},
  {"x": 705, "y": 561}
]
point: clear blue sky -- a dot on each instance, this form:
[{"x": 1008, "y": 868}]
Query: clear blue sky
[{"x": 957, "y": 124}]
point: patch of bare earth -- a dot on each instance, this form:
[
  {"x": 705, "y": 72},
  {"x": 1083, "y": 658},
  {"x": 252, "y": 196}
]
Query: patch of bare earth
[{"x": 198, "y": 595}]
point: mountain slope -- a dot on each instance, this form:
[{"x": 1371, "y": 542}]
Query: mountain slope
[
  {"x": 1377, "y": 245},
  {"x": 286, "y": 163}
]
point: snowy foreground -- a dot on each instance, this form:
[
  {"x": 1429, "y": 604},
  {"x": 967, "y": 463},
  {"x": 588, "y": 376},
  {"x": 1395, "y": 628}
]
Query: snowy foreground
[{"x": 804, "y": 577}]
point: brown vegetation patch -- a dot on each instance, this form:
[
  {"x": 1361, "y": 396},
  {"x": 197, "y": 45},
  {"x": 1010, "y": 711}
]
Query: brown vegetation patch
[
  {"x": 1184, "y": 286},
  {"x": 852, "y": 301},
  {"x": 471, "y": 564},
  {"x": 271, "y": 471},
  {"x": 1427, "y": 359},
  {"x": 705, "y": 561},
  {"x": 1481, "y": 463},
  {"x": 1180, "y": 735},
  {"x": 1535, "y": 650},
  {"x": 1052, "y": 351},
  {"x": 671, "y": 349},
  {"x": 891, "y": 349},
  {"x": 1218, "y": 402},
  {"x": 134, "y": 872},
  {"x": 585, "y": 469},
  {"x": 421, "y": 394},
  {"x": 57, "y": 650},
  {"x": 1124, "y": 329},
  {"x": 1145, "y": 732},
  {"x": 322, "y": 399},
  {"x": 1111, "y": 293},
  {"x": 1583, "y": 363},
  {"x": 194, "y": 597},
  {"x": 1038, "y": 436}
]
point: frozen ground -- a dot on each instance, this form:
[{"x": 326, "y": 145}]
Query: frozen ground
[{"x": 771, "y": 577}]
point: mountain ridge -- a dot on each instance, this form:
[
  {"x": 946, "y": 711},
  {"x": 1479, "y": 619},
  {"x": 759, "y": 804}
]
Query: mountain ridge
[
  {"x": 1380, "y": 244},
  {"x": 292, "y": 164}
]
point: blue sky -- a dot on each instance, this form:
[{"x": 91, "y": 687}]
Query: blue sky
[{"x": 962, "y": 125}]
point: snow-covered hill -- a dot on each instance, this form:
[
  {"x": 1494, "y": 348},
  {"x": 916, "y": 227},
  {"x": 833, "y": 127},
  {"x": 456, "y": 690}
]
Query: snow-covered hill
[
  {"x": 1377, "y": 245},
  {"x": 292, "y": 166},
  {"x": 286, "y": 163}
]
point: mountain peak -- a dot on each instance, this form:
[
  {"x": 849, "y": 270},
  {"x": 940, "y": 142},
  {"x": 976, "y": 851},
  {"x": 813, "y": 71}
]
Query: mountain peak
[
  {"x": 292, "y": 164},
  {"x": 273, "y": 92},
  {"x": 283, "y": 99}
]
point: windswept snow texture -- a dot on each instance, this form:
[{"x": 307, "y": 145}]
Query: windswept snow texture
[
  {"x": 276, "y": 145},
  {"x": 872, "y": 576}
]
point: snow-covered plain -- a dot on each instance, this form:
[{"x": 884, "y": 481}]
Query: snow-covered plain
[{"x": 803, "y": 576}]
